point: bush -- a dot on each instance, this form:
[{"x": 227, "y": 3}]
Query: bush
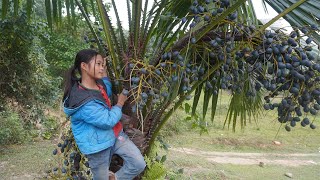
[{"x": 11, "y": 128}]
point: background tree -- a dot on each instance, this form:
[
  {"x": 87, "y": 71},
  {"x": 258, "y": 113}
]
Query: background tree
[{"x": 181, "y": 48}]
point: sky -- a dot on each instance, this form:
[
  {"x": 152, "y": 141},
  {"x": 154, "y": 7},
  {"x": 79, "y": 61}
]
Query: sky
[{"x": 260, "y": 12}]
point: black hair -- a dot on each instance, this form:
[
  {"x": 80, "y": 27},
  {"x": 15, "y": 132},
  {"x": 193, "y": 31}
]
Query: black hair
[{"x": 85, "y": 56}]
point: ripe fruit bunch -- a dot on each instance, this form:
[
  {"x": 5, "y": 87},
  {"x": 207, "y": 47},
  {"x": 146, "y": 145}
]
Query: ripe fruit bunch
[{"x": 70, "y": 163}]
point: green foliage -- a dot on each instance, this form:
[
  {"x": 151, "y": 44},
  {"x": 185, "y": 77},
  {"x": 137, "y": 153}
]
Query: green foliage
[
  {"x": 11, "y": 128},
  {"x": 15, "y": 67},
  {"x": 60, "y": 49},
  {"x": 155, "y": 169},
  {"x": 23, "y": 67},
  {"x": 51, "y": 126}
]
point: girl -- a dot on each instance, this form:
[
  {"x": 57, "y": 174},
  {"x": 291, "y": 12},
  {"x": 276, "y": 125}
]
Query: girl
[{"x": 94, "y": 122}]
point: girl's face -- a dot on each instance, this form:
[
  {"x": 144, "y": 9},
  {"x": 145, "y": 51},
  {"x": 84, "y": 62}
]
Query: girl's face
[{"x": 95, "y": 68}]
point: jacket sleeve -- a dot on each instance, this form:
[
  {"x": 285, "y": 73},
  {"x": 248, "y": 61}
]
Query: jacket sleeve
[
  {"x": 96, "y": 114},
  {"x": 106, "y": 81}
]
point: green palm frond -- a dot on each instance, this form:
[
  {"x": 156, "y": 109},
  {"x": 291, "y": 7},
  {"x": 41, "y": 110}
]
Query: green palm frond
[
  {"x": 244, "y": 105},
  {"x": 129, "y": 16},
  {"x": 136, "y": 14},
  {"x": 149, "y": 30},
  {"x": 84, "y": 14},
  {"x": 110, "y": 38},
  {"x": 144, "y": 17},
  {"x": 196, "y": 98},
  {"x": 123, "y": 43},
  {"x": 93, "y": 8},
  {"x": 85, "y": 6},
  {"x": 306, "y": 14}
]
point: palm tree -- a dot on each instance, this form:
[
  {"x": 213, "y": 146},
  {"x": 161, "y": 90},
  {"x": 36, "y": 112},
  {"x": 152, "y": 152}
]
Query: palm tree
[{"x": 181, "y": 48}]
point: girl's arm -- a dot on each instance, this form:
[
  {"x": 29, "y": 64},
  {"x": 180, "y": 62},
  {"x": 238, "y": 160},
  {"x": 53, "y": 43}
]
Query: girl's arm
[{"x": 96, "y": 114}]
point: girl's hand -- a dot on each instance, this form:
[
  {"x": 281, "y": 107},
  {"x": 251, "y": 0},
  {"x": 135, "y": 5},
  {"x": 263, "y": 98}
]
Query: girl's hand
[{"x": 121, "y": 99}]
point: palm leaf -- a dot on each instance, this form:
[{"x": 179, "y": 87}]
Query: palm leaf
[
  {"x": 129, "y": 17},
  {"x": 93, "y": 8},
  {"x": 153, "y": 23},
  {"x": 85, "y": 6},
  {"x": 136, "y": 14},
  {"x": 109, "y": 33},
  {"x": 214, "y": 106},
  {"x": 196, "y": 99},
  {"x": 145, "y": 11},
  {"x": 252, "y": 13},
  {"x": 84, "y": 14},
  {"x": 206, "y": 98},
  {"x": 120, "y": 29},
  {"x": 243, "y": 105},
  {"x": 302, "y": 15}
]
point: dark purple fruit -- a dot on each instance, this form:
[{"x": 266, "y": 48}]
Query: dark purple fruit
[
  {"x": 54, "y": 151},
  {"x": 287, "y": 128},
  {"x": 63, "y": 170},
  {"x": 306, "y": 121},
  {"x": 184, "y": 19},
  {"x": 193, "y": 40},
  {"x": 125, "y": 92},
  {"x": 144, "y": 95},
  {"x": 220, "y": 10},
  {"x": 143, "y": 71},
  {"x": 157, "y": 71},
  {"x": 293, "y": 123},
  {"x": 309, "y": 40},
  {"x": 312, "y": 126}
]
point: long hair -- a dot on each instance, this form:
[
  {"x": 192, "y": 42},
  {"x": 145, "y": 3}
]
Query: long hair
[{"x": 85, "y": 56}]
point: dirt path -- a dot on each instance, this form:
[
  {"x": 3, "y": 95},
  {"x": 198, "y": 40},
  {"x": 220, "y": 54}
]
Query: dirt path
[{"x": 253, "y": 158}]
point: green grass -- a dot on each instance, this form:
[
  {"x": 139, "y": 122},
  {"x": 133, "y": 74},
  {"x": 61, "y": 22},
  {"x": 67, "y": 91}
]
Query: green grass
[
  {"x": 196, "y": 167},
  {"x": 256, "y": 137},
  {"x": 27, "y": 161}
]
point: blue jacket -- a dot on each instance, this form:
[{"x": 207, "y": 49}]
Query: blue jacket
[{"x": 91, "y": 119}]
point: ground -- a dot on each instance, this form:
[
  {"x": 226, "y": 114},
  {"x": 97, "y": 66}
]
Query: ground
[
  {"x": 30, "y": 161},
  {"x": 261, "y": 159}
]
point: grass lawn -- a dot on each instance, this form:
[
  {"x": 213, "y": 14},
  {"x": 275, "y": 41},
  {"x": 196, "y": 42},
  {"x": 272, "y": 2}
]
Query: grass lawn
[
  {"x": 27, "y": 161},
  {"x": 256, "y": 137}
]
